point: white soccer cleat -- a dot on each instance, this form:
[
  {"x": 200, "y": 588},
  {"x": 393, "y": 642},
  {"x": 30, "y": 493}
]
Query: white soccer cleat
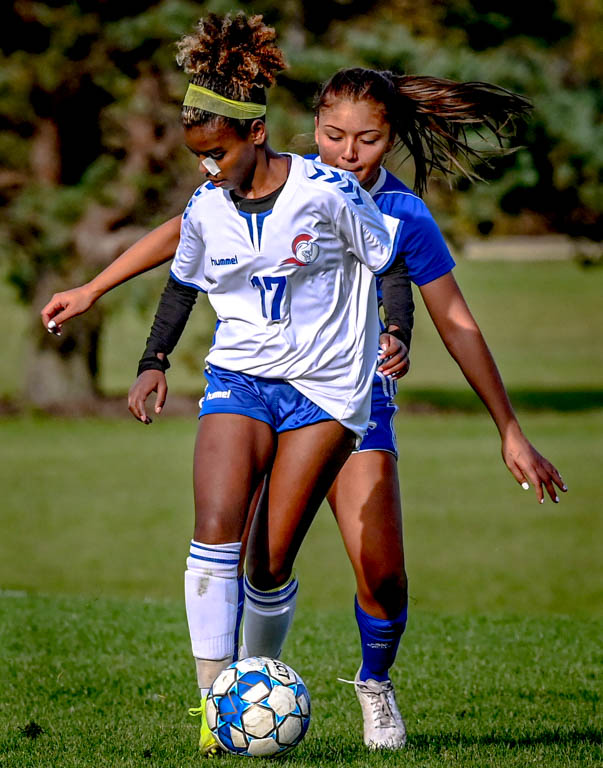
[{"x": 383, "y": 724}]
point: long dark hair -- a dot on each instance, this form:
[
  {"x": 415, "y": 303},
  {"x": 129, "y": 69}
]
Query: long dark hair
[
  {"x": 233, "y": 55},
  {"x": 430, "y": 115}
]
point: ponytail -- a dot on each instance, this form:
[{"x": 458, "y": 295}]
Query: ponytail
[{"x": 430, "y": 116}]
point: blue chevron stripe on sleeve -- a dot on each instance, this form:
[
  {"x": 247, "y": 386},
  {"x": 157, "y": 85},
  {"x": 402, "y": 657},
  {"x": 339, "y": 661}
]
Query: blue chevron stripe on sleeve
[{"x": 346, "y": 185}]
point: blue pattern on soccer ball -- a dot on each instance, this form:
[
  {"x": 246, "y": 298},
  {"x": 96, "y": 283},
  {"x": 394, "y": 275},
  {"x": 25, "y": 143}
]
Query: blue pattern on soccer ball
[
  {"x": 258, "y": 707},
  {"x": 230, "y": 708}
]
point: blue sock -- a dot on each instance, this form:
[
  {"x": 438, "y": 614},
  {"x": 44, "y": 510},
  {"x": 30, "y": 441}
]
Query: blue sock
[
  {"x": 240, "y": 605},
  {"x": 379, "y": 639}
]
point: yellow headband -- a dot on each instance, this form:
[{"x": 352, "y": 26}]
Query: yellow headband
[{"x": 203, "y": 98}]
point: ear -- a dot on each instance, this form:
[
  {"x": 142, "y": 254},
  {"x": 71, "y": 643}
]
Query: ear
[
  {"x": 258, "y": 132},
  {"x": 316, "y": 128}
]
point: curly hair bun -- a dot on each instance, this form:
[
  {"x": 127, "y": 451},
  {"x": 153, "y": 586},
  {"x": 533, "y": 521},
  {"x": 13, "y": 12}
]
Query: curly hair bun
[{"x": 231, "y": 54}]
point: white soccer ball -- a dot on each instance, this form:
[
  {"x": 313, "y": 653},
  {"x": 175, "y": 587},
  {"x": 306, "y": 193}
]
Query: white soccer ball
[{"x": 258, "y": 707}]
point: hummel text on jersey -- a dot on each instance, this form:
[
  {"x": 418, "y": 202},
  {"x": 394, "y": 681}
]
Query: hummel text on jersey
[
  {"x": 220, "y": 393},
  {"x": 224, "y": 262}
]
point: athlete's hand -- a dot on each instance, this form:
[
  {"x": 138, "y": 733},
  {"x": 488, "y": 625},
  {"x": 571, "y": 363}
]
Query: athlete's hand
[
  {"x": 147, "y": 382},
  {"x": 528, "y": 467},
  {"x": 65, "y": 305},
  {"x": 394, "y": 356}
]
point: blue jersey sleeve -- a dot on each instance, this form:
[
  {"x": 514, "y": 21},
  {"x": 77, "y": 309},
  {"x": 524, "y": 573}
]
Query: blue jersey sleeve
[{"x": 421, "y": 244}]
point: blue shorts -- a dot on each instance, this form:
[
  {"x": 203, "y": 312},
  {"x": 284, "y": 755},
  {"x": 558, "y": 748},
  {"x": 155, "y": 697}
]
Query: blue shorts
[
  {"x": 274, "y": 401},
  {"x": 380, "y": 435}
]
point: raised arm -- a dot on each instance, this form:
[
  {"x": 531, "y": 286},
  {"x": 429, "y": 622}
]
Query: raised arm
[
  {"x": 150, "y": 251},
  {"x": 465, "y": 342}
]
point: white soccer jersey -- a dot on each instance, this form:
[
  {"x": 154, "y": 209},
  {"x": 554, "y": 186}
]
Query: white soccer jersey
[{"x": 290, "y": 287}]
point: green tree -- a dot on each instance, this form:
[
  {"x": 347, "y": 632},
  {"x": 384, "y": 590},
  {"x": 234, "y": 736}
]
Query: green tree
[
  {"x": 89, "y": 142},
  {"x": 91, "y": 157},
  {"x": 551, "y": 55}
]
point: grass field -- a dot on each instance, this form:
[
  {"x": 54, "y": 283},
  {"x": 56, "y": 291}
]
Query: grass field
[
  {"x": 501, "y": 663},
  {"x": 107, "y": 683},
  {"x": 80, "y": 497}
]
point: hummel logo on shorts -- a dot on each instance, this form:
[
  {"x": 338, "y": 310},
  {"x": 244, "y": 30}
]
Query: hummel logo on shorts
[{"x": 220, "y": 393}]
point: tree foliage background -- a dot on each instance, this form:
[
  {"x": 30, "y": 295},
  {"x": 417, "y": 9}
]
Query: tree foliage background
[{"x": 90, "y": 143}]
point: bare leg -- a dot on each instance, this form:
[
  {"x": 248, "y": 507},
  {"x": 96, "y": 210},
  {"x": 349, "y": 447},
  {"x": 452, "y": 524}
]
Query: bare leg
[
  {"x": 306, "y": 463},
  {"x": 233, "y": 454},
  {"x": 365, "y": 499}
]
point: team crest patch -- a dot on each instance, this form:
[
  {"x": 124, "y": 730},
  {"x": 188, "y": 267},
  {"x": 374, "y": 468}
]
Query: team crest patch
[{"x": 305, "y": 251}]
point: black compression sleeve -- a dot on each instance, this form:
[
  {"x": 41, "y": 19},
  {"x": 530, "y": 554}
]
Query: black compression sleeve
[
  {"x": 174, "y": 308},
  {"x": 397, "y": 300}
]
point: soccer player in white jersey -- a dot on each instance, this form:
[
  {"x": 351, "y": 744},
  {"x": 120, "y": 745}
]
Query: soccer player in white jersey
[
  {"x": 291, "y": 367},
  {"x": 360, "y": 114}
]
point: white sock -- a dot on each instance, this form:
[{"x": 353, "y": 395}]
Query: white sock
[
  {"x": 211, "y": 594},
  {"x": 268, "y": 618}
]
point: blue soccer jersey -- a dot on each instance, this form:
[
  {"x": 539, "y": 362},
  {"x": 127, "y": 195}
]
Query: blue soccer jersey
[
  {"x": 421, "y": 245},
  {"x": 419, "y": 241}
]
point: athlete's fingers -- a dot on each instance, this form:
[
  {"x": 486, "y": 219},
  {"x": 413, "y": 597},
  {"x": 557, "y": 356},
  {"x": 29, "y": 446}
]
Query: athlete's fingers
[
  {"x": 62, "y": 317},
  {"x": 65, "y": 305},
  {"x": 393, "y": 356},
  {"x": 52, "y": 327},
  {"x": 525, "y": 476},
  {"x": 547, "y": 474},
  {"x": 536, "y": 465},
  {"x": 147, "y": 382},
  {"x": 556, "y": 477},
  {"x": 56, "y": 311},
  {"x": 550, "y": 489},
  {"x": 534, "y": 480},
  {"x": 49, "y": 315},
  {"x": 136, "y": 401},
  {"x": 404, "y": 369},
  {"x": 50, "y": 309},
  {"x": 518, "y": 475},
  {"x": 389, "y": 345},
  {"x": 529, "y": 467},
  {"x": 396, "y": 368},
  {"x": 161, "y": 395},
  {"x": 135, "y": 406},
  {"x": 138, "y": 409}
]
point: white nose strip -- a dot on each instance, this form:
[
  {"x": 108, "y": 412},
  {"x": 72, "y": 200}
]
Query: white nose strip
[{"x": 211, "y": 166}]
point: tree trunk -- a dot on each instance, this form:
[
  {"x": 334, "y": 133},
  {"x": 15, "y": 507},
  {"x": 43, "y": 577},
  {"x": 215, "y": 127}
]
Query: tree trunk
[{"x": 62, "y": 370}]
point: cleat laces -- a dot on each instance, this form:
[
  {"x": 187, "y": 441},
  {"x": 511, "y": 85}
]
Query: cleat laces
[
  {"x": 383, "y": 724},
  {"x": 378, "y": 695}
]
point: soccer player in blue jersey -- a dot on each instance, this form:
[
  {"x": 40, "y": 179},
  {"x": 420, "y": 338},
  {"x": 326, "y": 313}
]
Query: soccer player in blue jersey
[{"x": 360, "y": 115}]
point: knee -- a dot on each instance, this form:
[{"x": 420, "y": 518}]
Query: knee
[
  {"x": 216, "y": 526},
  {"x": 267, "y": 575}
]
